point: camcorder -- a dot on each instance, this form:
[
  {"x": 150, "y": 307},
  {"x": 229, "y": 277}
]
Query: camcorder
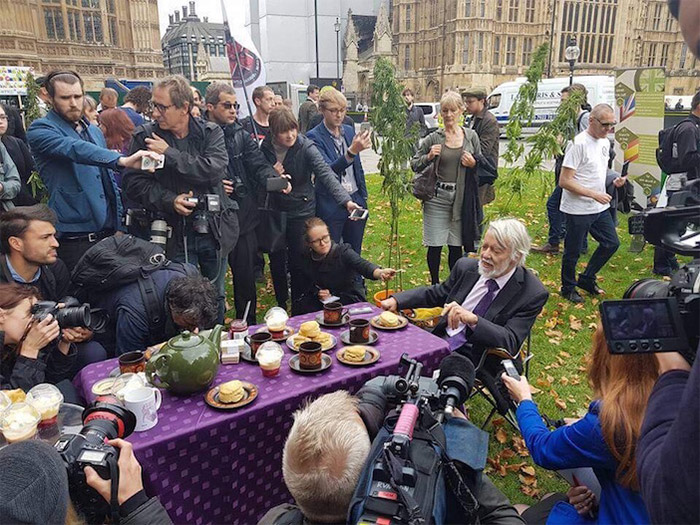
[
  {"x": 205, "y": 204},
  {"x": 139, "y": 220},
  {"x": 408, "y": 474},
  {"x": 654, "y": 315},
  {"x": 72, "y": 315},
  {"x": 101, "y": 421}
]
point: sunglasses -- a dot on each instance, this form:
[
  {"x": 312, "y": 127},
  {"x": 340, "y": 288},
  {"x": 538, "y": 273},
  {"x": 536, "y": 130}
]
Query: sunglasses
[
  {"x": 606, "y": 125},
  {"x": 227, "y": 105}
]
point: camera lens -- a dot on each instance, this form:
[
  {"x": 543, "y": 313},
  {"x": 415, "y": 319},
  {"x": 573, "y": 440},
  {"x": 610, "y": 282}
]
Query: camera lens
[
  {"x": 72, "y": 316},
  {"x": 200, "y": 224},
  {"x": 647, "y": 289},
  {"x": 159, "y": 232},
  {"x": 108, "y": 421}
]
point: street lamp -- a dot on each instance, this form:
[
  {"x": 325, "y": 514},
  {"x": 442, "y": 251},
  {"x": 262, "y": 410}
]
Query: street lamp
[
  {"x": 336, "y": 26},
  {"x": 572, "y": 53}
]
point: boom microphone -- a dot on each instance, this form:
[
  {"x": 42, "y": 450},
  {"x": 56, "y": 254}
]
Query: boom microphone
[{"x": 456, "y": 380}]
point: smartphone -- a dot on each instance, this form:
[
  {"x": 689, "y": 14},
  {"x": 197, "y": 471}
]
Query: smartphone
[
  {"x": 365, "y": 126},
  {"x": 359, "y": 215},
  {"x": 625, "y": 167},
  {"x": 510, "y": 369},
  {"x": 276, "y": 184}
]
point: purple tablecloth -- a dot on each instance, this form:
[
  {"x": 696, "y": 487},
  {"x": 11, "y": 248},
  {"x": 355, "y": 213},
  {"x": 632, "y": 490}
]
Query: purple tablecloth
[{"x": 211, "y": 466}]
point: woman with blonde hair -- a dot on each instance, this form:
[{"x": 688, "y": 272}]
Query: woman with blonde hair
[
  {"x": 605, "y": 439},
  {"x": 453, "y": 215}
]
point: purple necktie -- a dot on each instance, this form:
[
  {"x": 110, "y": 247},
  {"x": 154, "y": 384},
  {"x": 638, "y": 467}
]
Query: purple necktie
[{"x": 482, "y": 306}]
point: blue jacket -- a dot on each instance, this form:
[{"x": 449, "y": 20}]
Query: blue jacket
[
  {"x": 581, "y": 445},
  {"x": 326, "y": 205},
  {"x": 71, "y": 169}
]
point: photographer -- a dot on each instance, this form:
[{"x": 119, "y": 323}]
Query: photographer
[
  {"x": 34, "y": 487},
  {"x": 605, "y": 439},
  {"x": 325, "y": 454},
  {"x": 29, "y": 258},
  {"x": 205, "y": 230},
  {"x": 30, "y": 349}
]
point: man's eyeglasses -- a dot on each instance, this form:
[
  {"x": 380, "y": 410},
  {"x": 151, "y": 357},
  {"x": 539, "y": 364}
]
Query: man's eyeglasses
[
  {"x": 321, "y": 240},
  {"x": 227, "y": 105},
  {"x": 606, "y": 125},
  {"x": 161, "y": 107}
]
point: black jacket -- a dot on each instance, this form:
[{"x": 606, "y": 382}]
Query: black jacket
[
  {"x": 337, "y": 272},
  {"x": 486, "y": 126},
  {"x": 687, "y": 136},
  {"x": 415, "y": 117},
  {"x": 199, "y": 169},
  {"x": 19, "y": 152},
  {"x": 301, "y": 162},
  {"x": 247, "y": 164},
  {"x": 54, "y": 282},
  {"x": 507, "y": 321},
  {"x": 15, "y": 126}
]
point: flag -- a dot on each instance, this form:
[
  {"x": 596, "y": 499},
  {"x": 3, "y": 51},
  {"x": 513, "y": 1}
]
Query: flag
[{"x": 245, "y": 63}]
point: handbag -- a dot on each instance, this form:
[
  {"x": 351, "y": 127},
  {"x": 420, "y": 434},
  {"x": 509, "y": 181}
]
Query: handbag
[
  {"x": 424, "y": 183},
  {"x": 272, "y": 228}
]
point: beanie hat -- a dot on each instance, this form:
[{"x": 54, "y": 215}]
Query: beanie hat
[{"x": 33, "y": 484}]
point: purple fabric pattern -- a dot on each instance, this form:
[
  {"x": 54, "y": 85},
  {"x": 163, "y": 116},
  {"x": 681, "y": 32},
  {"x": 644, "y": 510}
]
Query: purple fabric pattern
[{"x": 211, "y": 466}]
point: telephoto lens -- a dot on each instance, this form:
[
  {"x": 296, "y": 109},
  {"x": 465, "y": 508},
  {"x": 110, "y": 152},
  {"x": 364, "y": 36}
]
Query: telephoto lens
[
  {"x": 71, "y": 316},
  {"x": 160, "y": 231}
]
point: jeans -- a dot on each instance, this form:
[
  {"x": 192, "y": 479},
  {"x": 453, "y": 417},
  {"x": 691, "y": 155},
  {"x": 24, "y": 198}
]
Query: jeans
[
  {"x": 242, "y": 262},
  {"x": 602, "y": 228},
  {"x": 557, "y": 228},
  {"x": 202, "y": 251},
  {"x": 89, "y": 352}
]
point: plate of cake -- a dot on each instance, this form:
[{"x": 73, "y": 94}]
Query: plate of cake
[{"x": 231, "y": 395}]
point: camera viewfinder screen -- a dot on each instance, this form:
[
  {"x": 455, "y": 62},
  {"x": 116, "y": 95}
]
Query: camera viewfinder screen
[
  {"x": 648, "y": 320},
  {"x": 92, "y": 456}
]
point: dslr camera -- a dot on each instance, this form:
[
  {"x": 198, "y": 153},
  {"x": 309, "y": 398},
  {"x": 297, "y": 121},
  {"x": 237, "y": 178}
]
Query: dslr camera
[
  {"x": 654, "y": 315},
  {"x": 205, "y": 204},
  {"x": 73, "y": 314},
  {"x": 140, "y": 221},
  {"x": 101, "y": 420}
]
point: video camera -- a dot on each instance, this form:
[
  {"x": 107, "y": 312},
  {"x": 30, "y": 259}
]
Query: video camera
[
  {"x": 101, "y": 421},
  {"x": 72, "y": 315},
  {"x": 396, "y": 486},
  {"x": 659, "y": 316}
]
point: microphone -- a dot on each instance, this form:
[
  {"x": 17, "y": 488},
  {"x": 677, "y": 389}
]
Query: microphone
[{"x": 456, "y": 380}]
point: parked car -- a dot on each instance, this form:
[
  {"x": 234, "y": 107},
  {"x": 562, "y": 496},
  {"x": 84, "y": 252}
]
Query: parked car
[{"x": 431, "y": 111}]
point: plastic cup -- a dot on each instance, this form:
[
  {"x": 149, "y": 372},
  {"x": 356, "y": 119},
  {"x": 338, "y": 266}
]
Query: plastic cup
[
  {"x": 47, "y": 400},
  {"x": 19, "y": 422},
  {"x": 270, "y": 358}
]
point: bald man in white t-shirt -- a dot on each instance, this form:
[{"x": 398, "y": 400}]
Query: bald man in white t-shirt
[{"x": 585, "y": 203}]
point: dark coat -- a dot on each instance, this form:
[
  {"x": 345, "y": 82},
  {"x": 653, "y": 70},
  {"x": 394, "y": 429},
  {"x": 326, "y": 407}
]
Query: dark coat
[
  {"x": 54, "y": 281},
  {"x": 247, "y": 164},
  {"x": 337, "y": 272},
  {"x": 416, "y": 118},
  {"x": 199, "y": 169},
  {"x": 19, "y": 152},
  {"x": 507, "y": 321},
  {"x": 151, "y": 512},
  {"x": 326, "y": 206},
  {"x": 486, "y": 126},
  {"x": 301, "y": 162}
]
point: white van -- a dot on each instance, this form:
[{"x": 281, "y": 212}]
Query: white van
[
  {"x": 601, "y": 89},
  {"x": 431, "y": 112}
]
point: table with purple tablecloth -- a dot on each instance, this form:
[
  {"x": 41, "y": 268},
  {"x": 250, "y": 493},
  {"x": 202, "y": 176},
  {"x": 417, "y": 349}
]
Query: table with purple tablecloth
[{"x": 212, "y": 466}]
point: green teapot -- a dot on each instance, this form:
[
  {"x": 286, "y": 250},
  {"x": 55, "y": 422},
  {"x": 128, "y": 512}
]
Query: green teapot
[{"x": 187, "y": 363}]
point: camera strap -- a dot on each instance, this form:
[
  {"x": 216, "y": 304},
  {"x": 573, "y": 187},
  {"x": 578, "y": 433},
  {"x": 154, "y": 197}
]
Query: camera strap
[
  {"x": 114, "y": 491},
  {"x": 394, "y": 466}
]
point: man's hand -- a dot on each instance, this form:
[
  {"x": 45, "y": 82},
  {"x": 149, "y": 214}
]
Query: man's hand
[
  {"x": 323, "y": 294},
  {"x": 390, "y": 304},
  {"x": 228, "y": 186},
  {"x": 133, "y": 161},
  {"x": 77, "y": 334},
  {"x": 435, "y": 150},
  {"x": 456, "y": 315},
  {"x": 468, "y": 160},
  {"x": 582, "y": 499},
  {"x": 130, "y": 482},
  {"x": 620, "y": 181},
  {"x": 350, "y": 205},
  {"x": 671, "y": 361},
  {"x": 183, "y": 207},
  {"x": 156, "y": 144},
  {"x": 384, "y": 274},
  {"x": 601, "y": 197},
  {"x": 519, "y": 390},
  {"x": 360, "y": 142}
]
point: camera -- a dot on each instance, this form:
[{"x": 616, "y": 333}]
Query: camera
[
  {"x": 72, "y": 315},
  {"x": 659, "y": 316},
  {"x": 101, "y": 421},
  {"x": 205, "y": 204},
  {"x": 140, "y": 221}
]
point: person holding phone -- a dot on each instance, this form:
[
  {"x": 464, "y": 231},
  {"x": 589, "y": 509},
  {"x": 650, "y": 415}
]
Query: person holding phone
[
  {"x": 605, "y": 439},
  {"x": 331, "y": 270},
  {"x": 341, "y": 148}
]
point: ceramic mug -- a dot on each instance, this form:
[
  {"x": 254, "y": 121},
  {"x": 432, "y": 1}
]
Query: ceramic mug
[
  {"x": 255, "y": 340},
  {"x": 359, "y": 331},
  {"x": 132, "y": 362},
  {"x": 310, "y": 353},
  {"x": 144, "y": 402},
  {"x": 333, "y": 313}
]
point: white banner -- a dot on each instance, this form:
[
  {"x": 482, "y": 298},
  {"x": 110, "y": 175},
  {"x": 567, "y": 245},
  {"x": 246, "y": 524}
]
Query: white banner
[{"x": 245, "y": 63}]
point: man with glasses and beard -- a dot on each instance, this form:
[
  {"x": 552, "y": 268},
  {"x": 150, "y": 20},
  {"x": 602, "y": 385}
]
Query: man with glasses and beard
[{"x": 585, "y": 203}]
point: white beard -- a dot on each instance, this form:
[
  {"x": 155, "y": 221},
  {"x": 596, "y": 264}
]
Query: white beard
[{"x": 495, "y": 272}]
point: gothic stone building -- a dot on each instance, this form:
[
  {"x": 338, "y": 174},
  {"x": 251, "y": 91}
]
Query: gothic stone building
[{"x": 97, "y": 38}]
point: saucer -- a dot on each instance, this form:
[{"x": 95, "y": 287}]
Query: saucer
[
  {"x": 343, "y": 322},
  {"x": 288, "y": 331},
  {"x": 403, "y": 323},
  {"x": 291, "y": 343},
  {"x": 211, "y": 398},
  {"x": 371, "y": 356},
  {"x": 245, "y": 355},
  {"x": 326, "y": 363},
  {"x": 345, "y": 338}
]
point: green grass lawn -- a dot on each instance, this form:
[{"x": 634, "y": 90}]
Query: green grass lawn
[{"x": 560, "y": 338}]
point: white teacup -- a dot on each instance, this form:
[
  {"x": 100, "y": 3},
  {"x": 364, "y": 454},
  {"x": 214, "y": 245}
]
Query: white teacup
[{"x": 144, "y": 402}]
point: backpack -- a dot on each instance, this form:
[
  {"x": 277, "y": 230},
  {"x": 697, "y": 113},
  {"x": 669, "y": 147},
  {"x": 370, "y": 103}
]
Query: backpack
[
  {"x": 667, "y": 152},
  {"x": 119, "y": 260}
]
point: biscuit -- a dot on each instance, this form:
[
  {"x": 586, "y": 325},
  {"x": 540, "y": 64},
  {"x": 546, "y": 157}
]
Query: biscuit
[
  {"x": 389, "y": 319},
  {"x": 309, "y": 329},
  {"x": 354, "y": 354},
  {"x": 231, "y": 392}
]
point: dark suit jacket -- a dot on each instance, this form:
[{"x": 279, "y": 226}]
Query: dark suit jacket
[{"x": 507, "y": 321}]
